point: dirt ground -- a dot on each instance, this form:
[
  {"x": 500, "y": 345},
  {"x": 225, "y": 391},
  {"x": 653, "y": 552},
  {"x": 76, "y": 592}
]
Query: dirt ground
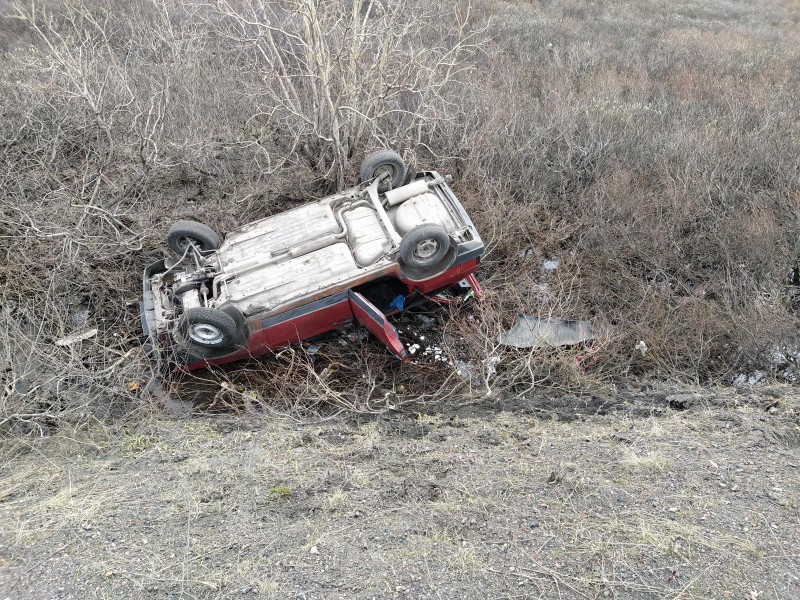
[{"x": 631, "y": 494}]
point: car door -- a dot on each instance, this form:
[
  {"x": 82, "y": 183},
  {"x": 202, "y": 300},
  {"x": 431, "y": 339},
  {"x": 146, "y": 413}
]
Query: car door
[{"x": 376, "y": 323}]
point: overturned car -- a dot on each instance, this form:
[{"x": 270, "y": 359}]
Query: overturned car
[{"x": 360, "y": 254}]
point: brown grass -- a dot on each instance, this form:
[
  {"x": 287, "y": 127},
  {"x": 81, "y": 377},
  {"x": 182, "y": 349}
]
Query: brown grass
[
  {"x": 652, "y": 149},
  {"x": 697, "y": 504}
]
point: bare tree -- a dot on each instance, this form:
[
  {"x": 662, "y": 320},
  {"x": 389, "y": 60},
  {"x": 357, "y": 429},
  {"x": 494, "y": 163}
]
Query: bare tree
[
  {"x": 79, "y": 61},
  {"x": 338, "y": 76}
]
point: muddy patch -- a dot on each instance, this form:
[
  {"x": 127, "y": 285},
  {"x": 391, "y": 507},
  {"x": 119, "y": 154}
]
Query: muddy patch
[{"x": 638, "y": 402}]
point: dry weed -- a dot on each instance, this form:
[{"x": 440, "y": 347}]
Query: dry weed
[{"x": 653, "y": 155}]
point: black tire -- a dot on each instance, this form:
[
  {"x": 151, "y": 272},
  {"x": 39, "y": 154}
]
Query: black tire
[
  {"x": 425, "y": 247},
  {"x": 411, "y": 175},
  {"x": 208, "y": 328},
  {"x": 200, "y": 235},
  {"x": 383, "y": 161}
]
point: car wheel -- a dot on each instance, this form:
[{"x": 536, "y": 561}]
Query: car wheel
[
  {"x": 208, "y": 328},
  {"x": 384, "y": 161},
  {"x": 425, "y": 247},
  {"x": 184, "y": 232}
]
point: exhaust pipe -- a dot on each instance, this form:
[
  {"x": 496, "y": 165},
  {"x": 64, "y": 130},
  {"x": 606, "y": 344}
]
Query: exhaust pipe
[{"x": 401, "y": 194}]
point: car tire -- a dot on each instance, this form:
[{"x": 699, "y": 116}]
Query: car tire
[
  {"x": 411, "y": 175},
  {"x": 208, "y": 328},
  {"x": 383, "y": 161},
  {"x": 425, "y": 247},
  {"x": 200, "y": 235}
]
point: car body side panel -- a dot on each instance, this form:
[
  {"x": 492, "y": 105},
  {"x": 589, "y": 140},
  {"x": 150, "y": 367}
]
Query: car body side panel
[
  {"x": 287, "y": 328},
  {"x": 329, "y": 313},
  {"x": 307, "y": 321},
  {"x": 376, "y": 323},
  {"x": 440, "y": 281}
]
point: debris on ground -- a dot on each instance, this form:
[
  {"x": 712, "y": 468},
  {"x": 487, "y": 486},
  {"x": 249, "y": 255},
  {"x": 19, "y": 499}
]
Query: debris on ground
[
  {"x": 551, "y": 264},
  {"x": 754, "y": 378},
  {"x": 466, "y": 370},
  {"x": 627, "y": 483},
  {"x": 78, "y": 337},
  {"x": 546, "y": 332}
]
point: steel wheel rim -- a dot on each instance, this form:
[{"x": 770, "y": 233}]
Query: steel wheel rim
[
  {"x": 426, "y": 249},
  {"x": 184, "y": 242},
  {"x": 203, "y": 333},
  {"x": 384, "y": 170}
]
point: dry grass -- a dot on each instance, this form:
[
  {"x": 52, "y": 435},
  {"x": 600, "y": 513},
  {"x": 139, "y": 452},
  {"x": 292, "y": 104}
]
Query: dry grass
[
  {"x": 650, "y": 148},
  {"x": 697, "y": 504}
]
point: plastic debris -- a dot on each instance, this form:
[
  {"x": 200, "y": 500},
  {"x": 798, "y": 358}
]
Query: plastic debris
[
  {"x": 398, "y": 303},
  {"x": 426, "y": 321},
  {"x": 546, "y": 332},
  {"x": 72, "y": 339},
  {"x": 754, "y": 378},
  {"x": 491, "y": 363},
  {"x": 466, "y": 370},
  {"x": 551, "y": 264}
]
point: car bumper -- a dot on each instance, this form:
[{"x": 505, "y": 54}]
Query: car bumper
[
  {"x": 147, "y": 312},
  {"x": 473, "y": 248}
]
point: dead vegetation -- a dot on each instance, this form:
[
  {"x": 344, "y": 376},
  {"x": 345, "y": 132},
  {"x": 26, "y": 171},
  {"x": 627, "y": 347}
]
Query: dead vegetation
[
  {"x": 687, "y": 505},
  {"x": 651, "y": 150}
]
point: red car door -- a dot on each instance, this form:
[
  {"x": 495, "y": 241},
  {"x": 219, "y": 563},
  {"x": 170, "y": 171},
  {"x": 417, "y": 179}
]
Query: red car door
[{"x": 376, "y": 323}]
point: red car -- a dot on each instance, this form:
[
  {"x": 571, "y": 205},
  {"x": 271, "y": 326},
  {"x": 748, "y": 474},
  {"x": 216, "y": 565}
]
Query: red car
[{"x": 362, "y": 254}]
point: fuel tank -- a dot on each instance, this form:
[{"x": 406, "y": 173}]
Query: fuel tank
[{"x": 365, "y": 235}]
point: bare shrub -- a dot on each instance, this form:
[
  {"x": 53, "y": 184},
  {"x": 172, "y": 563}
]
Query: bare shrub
[
  {"x": 664, "y": 158},
  {"x": 56, "y": 367},
  {"x": 337, "y": 77},
  {"x": 331, "y": 380},
  {"x": 650, "y": 150}
]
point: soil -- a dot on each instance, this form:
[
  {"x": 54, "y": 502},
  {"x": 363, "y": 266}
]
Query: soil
[{"x": 635, "y": 493}]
